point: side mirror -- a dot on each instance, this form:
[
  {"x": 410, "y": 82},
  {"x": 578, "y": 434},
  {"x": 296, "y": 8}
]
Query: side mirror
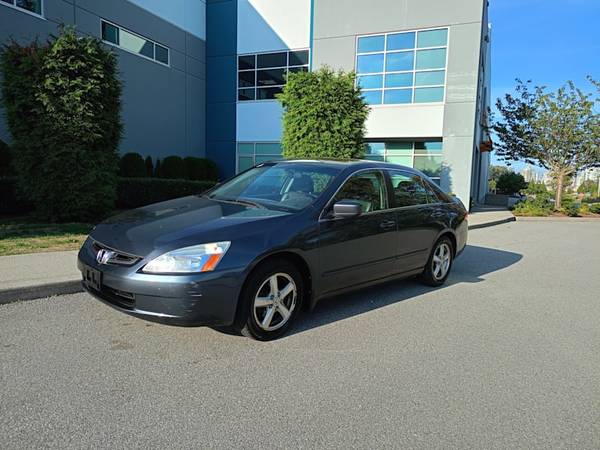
[{"x": 346, "y": 209}]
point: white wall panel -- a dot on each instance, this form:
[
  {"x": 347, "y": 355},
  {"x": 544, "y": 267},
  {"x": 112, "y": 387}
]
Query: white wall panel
[
  {"x": 259, "y": 121},
  {"x": 189, "y": 15},
  {"x": 406, "y": 121},
  {"x": 268, "y": 25}
]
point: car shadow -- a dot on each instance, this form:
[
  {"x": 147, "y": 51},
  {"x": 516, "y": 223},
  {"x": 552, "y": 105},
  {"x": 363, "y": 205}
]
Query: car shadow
[{"x": 470, "y": 267}]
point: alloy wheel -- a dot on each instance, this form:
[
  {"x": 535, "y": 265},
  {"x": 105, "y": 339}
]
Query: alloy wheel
[
  {"x": 441, "y": 261},
  {"x": 275, "y": 301}
]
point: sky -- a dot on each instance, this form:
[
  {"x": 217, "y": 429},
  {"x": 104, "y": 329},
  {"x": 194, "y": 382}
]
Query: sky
[{"x": 546, "y": 41}]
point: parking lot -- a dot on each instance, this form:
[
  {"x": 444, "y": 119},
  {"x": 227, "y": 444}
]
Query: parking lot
[{"x": 507, "y": 354}]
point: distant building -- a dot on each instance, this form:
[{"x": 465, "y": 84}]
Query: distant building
[
  {"x": 531, "y": 175},
  {"x": 592, "y": 173}
]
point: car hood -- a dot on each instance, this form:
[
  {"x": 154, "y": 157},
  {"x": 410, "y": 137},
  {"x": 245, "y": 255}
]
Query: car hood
[{"x": 182, "y": 222}]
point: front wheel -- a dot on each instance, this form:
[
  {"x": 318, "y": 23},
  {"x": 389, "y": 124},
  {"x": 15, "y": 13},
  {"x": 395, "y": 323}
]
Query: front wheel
[
  {"x": 439, "y": 264},
  {"x": 271, "y": 300}
]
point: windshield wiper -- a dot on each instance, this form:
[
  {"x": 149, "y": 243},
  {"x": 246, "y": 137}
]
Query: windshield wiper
[{"x": 239, "y": 201}]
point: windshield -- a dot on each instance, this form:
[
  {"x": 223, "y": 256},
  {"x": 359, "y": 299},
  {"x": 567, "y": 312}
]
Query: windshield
[{"x": 287, "y": 187}]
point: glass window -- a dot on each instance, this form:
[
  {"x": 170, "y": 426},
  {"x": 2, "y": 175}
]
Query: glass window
[
  {"x": 372, "y": 97},
  {"x": 395, "y": 96},
  {"x": 370, "y": 63},
  {"x": 268, "y": 149},
  {"x": 161, "y": 54},
  {"x": 431, "y": 59},
  {"x": 427, "y": 95},
  {"x": 136, "y": 44},
  {"x": 110, "y": 33},
  {"x": 367, "y": 44},
  {"x": 403, "y": 63},
  {"x": 246, "y": 62},
  {"x": 271, "y": 60},
  {"x": 429, "y": 165},
  {"x": 370, "y": 81},
  {"x": 407, "y": 189},
  {"x": 375, "y": 148},
  {"x": 246, "y": 94},
  {"x": 399, "y": 80},
  {"x": 400, "y": 41},
  {"x": 246, "y": 79},
  {"x": 245, "y": 162},
  {"x": 268, "y": 93},
  {"x": 268, "y": 72},
  {"x": 433, "y": 38},
  {"x": 270, "y": 77},
  {"x": 425, "y": 148},
  {"x": 430, "y": 78},
  {"x": 399, "y": 61},
  {"x": 280, "y": 186},
  {"x": 366, "y": 188},
  {"x": 299, "y": 58},
  {"x": 401, "y": 160},
  {"x": 399, "y": 148},
  {"x": 34, "y": 6}
]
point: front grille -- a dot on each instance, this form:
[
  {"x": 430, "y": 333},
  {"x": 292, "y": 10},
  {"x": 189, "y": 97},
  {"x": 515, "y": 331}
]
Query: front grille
[{"x": 116, "y": 256}]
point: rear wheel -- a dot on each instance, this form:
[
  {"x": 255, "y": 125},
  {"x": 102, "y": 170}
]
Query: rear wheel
[
  {"x": 271, "y": 300},
  {"x": 439, "y": 264}
]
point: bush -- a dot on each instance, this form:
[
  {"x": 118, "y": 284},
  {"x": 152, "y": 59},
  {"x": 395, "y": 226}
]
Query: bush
[
  {"x": 149, "y": 166},
  {"x": 5, "y": 169},
  {"x": 200, "y": 169},
  {"x": 584, "y": 209},
  {"x": 511, "y": 183},
  {"x": 324, "y": 115},
  {"x": 132, "y": 165},
  {"x": 595, "y": 208},
  {"x": 538, "y": 206},
  {"x": 62, "y": 105},
  {"x": 589, "y": 187},
  {"x": 136, "y": 192},
  {"x": 173, "y": 167},
  {"x": 570, "y": 207},
  {"x": 10, "y": 202}
]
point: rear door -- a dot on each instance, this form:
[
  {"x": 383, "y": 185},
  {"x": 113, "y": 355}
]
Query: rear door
[
  {"x": 416, "y": 219},
  {"x": 360, "y": 249}
]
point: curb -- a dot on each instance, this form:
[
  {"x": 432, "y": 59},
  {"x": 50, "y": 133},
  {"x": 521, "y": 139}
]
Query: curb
[
  {"x": 492, "y": 223},
  {"x": 557, "y": 219},
  {"x": 40, "y": 291}
]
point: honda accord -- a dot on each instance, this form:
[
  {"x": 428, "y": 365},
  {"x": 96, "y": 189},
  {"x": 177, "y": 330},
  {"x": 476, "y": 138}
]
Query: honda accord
[{"x": 253, "y": 252}]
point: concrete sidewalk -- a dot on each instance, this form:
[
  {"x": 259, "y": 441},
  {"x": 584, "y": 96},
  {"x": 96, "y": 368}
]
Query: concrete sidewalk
[
  {"x": 487, "y": 216},
  {"x": 37, "y": 275}
]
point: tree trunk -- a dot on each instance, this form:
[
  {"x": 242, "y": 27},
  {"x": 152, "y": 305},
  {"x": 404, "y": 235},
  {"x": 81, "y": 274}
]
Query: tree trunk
[{"x": 560, "y": 179}]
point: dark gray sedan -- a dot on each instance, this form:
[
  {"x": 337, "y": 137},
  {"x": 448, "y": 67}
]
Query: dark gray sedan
[{"x": 254, "y": 251}]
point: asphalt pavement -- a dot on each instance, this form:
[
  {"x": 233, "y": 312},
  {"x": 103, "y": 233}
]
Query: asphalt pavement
[{"x": 506, "y": 355}]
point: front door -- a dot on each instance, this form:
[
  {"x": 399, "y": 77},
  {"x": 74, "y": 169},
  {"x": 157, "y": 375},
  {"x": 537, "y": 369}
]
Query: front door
[{"x": 360, "y": 249}]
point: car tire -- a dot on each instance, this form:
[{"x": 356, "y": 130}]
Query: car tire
[
  {"x": 271, "y": 300},
  {"x": 439, "y": 263}
]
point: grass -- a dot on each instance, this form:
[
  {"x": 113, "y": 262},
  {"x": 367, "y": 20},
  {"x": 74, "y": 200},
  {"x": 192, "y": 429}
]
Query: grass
[{"x": 21, "y": 235}]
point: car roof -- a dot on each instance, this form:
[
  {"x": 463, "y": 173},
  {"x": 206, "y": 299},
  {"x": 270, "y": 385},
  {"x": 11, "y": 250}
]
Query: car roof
[{"x": 341, "y": 164}]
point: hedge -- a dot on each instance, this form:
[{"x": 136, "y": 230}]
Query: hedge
[
  {"x": 136, "y": 192},
  {"x": 10, "y": 203},
  {"x": 132, "y": 192}
]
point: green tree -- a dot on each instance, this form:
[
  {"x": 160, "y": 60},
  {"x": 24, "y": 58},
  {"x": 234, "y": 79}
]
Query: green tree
[
  {"x": 588, "y": 187},
  {"x": 558, "y": 131},
  {"x": 511, "y": 183},
  {"x": 62, "y": 104},
  {"x": 495, "y": 172},
  {"x": 324, "y": 115}
]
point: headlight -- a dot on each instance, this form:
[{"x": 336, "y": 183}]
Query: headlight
[{"x": 198, "y": 258}]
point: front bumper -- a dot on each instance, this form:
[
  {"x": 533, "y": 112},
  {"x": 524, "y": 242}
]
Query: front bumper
[{"x": 206, "y": 299}]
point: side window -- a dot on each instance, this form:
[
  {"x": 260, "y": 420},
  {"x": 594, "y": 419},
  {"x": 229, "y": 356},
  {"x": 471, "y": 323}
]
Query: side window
[
  {"x": 366, "y": 188},
  {"x": 432, "y": 194},
  {"x": 407, "y": 189}
]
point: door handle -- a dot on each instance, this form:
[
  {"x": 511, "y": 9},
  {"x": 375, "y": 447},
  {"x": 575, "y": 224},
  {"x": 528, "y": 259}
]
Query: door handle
[{"x": 388, "y": 224}]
